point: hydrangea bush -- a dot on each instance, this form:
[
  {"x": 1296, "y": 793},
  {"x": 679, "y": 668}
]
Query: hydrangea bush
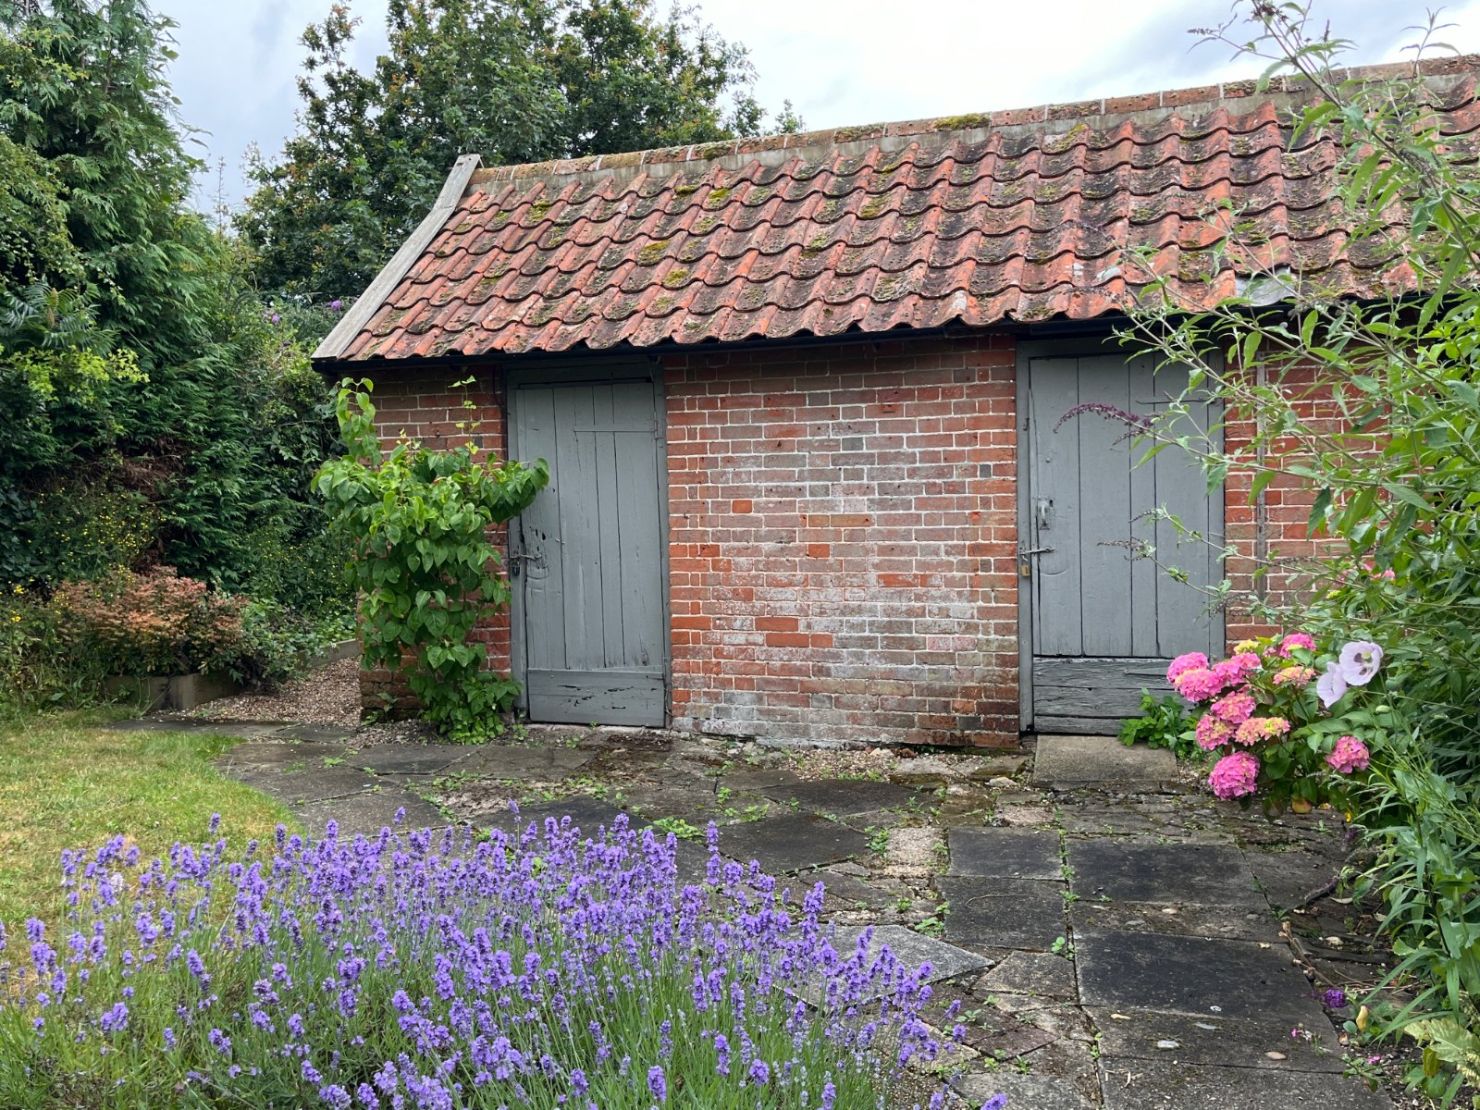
[
  {"x": 1289, "y": 723},
  {"x": 444, "y": 970}
]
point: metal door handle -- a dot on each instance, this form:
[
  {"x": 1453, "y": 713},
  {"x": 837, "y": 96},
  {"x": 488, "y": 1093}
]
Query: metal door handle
[{"x": 1043, "y": 513}]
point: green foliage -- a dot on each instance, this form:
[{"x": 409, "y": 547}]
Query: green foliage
[
  {"x": 139, "y": 369},
  {"x": 35, "y": 247},
  {"x": 1163, "y": 723},
  {"x": 518, "y": 82},
  {"x": 38, "y": 668},
  {"x": 1374, "y": 404},
  {"x": 424, "y": 566}
]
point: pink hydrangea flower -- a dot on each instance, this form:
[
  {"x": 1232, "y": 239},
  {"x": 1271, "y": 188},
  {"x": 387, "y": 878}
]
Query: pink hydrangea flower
[
  {"x": 1235, "y": 708},
  {"x": 1256, "y": 729},
  {"x": 1198, "y": 684},
  {"x": 1192, "y": 660},
  {"x": 1298, "y": 677},
  {"x": 1349, "y": 755},
  {"x": 1302, "y": 640},
  {"x": 1246, "y": 662},
  {"x": 1213, "y": 733},
  {"x": 1234, "y": 775}
]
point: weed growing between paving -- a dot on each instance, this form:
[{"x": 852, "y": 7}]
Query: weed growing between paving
[{"x": 420, "y": 969}]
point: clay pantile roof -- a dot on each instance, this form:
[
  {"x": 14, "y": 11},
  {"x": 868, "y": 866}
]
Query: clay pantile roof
[{"x": 1021, "y": 216}]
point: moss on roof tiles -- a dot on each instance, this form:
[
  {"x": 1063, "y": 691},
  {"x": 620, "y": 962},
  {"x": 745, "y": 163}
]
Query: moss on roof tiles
[{"x": 653, "y": 251}]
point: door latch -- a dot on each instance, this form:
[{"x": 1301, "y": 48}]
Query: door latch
[
  {"x": 1025, "y": 560},
  {"x": 517, "y": 561}
]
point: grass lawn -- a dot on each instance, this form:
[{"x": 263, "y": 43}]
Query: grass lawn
[{"x": 67, "y": 783}]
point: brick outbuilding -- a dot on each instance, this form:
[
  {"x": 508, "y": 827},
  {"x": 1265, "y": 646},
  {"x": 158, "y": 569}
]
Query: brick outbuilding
[{"x": 804, "y": 402}]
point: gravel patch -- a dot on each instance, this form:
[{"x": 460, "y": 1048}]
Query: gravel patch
[{"x": 329, "y": 695}]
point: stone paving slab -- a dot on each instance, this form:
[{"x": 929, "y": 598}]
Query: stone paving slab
[
  {"x": 1288, "y": 878},
  {"x": 757, "y": 780},
  {"x": 308, "y": 785},
  {"x": 1171, "y": 816},
  {"x": 1255, "y": 1042},
  {"x": 845, "y": 891},
  {"x": 283, "y": 753},
  {"x": 1003, "y": 913},
  {"x": 1139, "y": 1085},
  {"x": 842, "y": 797},
  {"x": 1024, "y": 1092},
  {"x": 1191, "y": 975},
  {"x": 1006, "y": 853},
  {"x": 522, "y": 763},
  {"x": 368, "y": 812},
  {"x": 1185, "y": 920},
  {"x": 408, "y": 759},
  {"x": 946, "y": 961},
  {"x": 330, "y": 734},
  {"x": 1147, "y": 871},
  {"x": 585, "y": 812},
  {"x": 1042, "y": 975},
  {"x": 1076, "y": 762},
  {"x": 792, "y": 842}
]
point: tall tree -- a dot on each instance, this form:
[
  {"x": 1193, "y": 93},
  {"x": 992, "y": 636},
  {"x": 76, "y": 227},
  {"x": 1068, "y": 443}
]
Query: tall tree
[
  {"x": 140, "y": 381},
  {"x": 513, "y": 80}
]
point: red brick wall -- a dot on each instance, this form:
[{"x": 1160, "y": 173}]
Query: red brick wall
[
  {"x": 1272, "y": 532},
  {"x": 842, "y": 541},
  {"x": 421, "y": 404},
  {"x": 843, "y": 534}
]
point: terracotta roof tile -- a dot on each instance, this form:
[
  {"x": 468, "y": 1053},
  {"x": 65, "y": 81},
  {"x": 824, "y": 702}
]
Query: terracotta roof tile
[{"x": 973, "y": 221}]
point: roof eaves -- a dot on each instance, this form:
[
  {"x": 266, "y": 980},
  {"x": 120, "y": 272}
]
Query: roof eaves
[{"x": 360, "y": 313}]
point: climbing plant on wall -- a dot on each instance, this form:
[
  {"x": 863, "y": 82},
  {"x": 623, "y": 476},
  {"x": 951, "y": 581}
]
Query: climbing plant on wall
[{"x": 425, "y": 568}]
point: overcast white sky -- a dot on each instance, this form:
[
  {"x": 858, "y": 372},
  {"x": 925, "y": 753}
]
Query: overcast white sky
[{"x": 840, "y": 62}]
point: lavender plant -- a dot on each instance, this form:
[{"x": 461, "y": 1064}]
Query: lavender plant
[{"x": 441, "y": 970}]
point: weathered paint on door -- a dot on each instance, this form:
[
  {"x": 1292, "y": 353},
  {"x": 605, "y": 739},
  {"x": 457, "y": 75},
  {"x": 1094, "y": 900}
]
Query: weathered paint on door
[
  {"x": 586, "y": 557},
  {"x": 1104, "y": 623}
]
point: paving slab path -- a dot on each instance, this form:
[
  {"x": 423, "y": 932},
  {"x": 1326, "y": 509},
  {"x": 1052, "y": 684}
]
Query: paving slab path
[{"x": 1113, "y": 932}]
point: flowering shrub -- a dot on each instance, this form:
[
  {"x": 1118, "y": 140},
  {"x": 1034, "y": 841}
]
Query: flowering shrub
[
  {"x": 1271, "y": 719},
  {"x": 435, "y": 971},
  {"x": 151, "y": 622}
]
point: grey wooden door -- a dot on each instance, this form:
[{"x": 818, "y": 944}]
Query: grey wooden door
[
  {"x": 587, "y": 558},
  {"x": 1104, "y": 624}
]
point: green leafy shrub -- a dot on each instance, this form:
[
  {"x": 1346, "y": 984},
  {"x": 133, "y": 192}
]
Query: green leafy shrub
[
  {"x": 1163, "y": 723},
  {"x": 1373, "y": 403},
  {"x": 39, "y": 668},
  {"x": 424, "y": 565},
  {"x": 276, "y": 643}
]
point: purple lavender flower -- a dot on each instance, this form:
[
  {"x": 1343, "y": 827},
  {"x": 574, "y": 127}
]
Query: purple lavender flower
[
  {"x": 498, "y": 954},
  {"x": 1334, "y": 998},
  {"x": 658, "y": 1083}
]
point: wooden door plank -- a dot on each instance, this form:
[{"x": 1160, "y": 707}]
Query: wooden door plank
[
  {"x": 607, "y": 636},
  {"x": 1053, "y": 389},
  {"x": 580, "y": 526},
  {"x": 1145, "y": 575},
  {"x": 606, "y": 696},
  {"x": 1182, "y": 618},
  {"x": 1105, "y": 510},
  {"x": 541, "y": 575}
]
